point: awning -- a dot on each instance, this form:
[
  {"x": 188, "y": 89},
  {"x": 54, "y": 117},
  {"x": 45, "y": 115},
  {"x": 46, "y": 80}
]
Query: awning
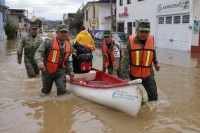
[
  {"x": 6, "y": 7},
  {"x": 110, "y": 17}
]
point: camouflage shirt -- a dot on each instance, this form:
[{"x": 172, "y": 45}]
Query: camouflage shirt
[
  {"x": 125, "y": 62},
  {"x": 42, "y": 53},
  {"x": 109, "y": 49},
  {"x": 30, "y": 45}
]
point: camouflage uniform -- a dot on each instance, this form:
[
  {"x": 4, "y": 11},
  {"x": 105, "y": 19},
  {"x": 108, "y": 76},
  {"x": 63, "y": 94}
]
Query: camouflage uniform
[
  {"x": 111, "y": 67},
  {"x": 30, "y": 45},
  {"x": 59, "y": 76},
  {"x": 149, "y": 82}
]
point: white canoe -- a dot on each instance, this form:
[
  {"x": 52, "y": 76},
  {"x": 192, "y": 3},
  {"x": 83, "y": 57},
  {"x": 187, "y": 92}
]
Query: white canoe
[{"x": 109, "y": 91}]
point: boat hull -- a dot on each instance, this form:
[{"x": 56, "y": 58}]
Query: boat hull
[{"x": 126, "y": 99}]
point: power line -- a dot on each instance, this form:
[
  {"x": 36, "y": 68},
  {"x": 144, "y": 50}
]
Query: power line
[
  {"x": 48, "y": 4},
  {"x": 73, "y": 1}
]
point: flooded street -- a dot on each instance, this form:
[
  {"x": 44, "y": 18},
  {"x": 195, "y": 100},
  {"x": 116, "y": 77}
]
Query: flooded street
[{"x": 22, "y": 110}]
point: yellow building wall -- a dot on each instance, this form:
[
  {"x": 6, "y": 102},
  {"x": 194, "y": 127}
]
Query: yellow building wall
[{"x": 90, "y": 15}]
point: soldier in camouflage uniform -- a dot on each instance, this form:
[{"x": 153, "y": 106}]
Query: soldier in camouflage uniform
[
  {"x": 112, "y": 52},
  {"x": 141, "y": 41},
  {"x": 63, "y": 58},
  {"x": 29, "y": 43}
]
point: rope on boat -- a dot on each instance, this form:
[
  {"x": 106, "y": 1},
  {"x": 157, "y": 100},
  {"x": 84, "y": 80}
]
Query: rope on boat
[{"x": 150, "y": 109}]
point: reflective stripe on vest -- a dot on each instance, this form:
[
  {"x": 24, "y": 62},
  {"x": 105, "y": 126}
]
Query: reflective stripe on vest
[
  {"x": 105, "y": 51},
  {"x": 141, "y": 59},
  {"x": 137, "y": 58},
  {"x": 148, "y": 58},
  {"x": 54, "y": 56}
]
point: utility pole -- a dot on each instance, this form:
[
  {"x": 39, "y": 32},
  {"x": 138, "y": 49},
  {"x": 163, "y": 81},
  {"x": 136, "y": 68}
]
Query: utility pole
[
  {"x": 111, "y": 11},
  {"x": 93, "y": 28},
  {"x": 33, "y": 12},
  {"x": 27, "y": 23}
]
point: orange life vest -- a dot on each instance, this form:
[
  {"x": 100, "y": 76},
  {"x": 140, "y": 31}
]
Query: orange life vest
[
  {"x": 105, "y": 51},
  {"x": 54, "y": 56},
  {"x": 141, "y": 59}
]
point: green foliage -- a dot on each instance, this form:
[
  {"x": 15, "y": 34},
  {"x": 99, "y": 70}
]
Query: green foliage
[
  {"x": 38, "y": 22},
  {"x": 78, "y": 20},
  {"x": 10, "y": 30}
]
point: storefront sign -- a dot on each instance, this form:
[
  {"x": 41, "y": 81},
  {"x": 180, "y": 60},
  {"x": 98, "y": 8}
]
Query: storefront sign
[
  {"x": 94, "y": 22},
  {"x": 196, "y": 27},
  {"x": 45, "y": 26},
  {"x": 184, "y": 4},
  {"x": 125, "y": 13}
]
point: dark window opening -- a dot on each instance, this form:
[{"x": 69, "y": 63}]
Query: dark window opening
[
  {"x": 133, "y": 24},
  {"x": 168, "y": 20},
  {"x": 121, "y": 3},
  {"x": 129, "y": 25},
  {"x": 86, "y": 15},
  {"x": 161, "y": 20},
  {"x": 177, "y": 19},
  {"x": 186, "y": 19}
]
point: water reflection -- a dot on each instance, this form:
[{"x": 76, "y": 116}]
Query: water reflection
[
  {"x": 178, "y": 58},
  {"x": 195, "y": 60},
  {"x": 63, "y": 116},
  {"x": 173, "y": 57},
  {"x": 8, "y": 46}
]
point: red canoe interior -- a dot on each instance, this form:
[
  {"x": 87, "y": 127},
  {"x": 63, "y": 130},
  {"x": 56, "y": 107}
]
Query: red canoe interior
[{"x": 102, "y": 80}]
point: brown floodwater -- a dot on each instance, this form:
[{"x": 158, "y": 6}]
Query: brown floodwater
[{"x": 22, "y": 110}]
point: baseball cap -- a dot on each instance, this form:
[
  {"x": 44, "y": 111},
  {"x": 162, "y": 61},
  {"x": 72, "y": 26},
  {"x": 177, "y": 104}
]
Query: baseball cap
[
  {"x": 144, "y": 25},
  {"x": 33, "y": 26},
  {"x": 62, "y": 27},
  {"x": 106, "y": 33}
]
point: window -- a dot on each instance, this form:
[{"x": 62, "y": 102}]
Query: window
[
  {"x": 129, "y": 25},
  {"x": 100, "y": 35},
  {"x": 86, "y": 15},
  {"x": 0, "y": 7},
  {"x": 161, "y": 20},
  {"x": 120, "y": 37},
  {"x": 96, "y": 35},
  {"x": 177, "y": 19},
  {"x": 168, "y": 20},
  {"x": 94, "y": 12},
  {"x": 121, "y": 3},
  {"x": 186, "y": 19},
  {"x": 4, "y": 15},
  {"x": 128, "y": 1},
  {"x": 133, "y": 24}
]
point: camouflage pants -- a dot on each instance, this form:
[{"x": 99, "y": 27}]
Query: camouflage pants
[
  {"x": 149, "y": 84},
  {"x": 31, "y": 67},
  {"x": 110, "y": 71},
  {"x": 60, "y": 80}
]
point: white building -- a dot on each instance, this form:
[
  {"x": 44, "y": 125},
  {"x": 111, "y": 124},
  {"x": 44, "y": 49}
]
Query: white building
[
  {"x": 174, "y": 23},
  {"x": 3, "y": 18}
]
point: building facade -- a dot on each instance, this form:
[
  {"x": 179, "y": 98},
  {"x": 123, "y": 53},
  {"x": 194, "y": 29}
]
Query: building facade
[
  {"x": 18, "y": 17},
  {"x": 98, "y": 15},
  {"x": 174, "y": 23},
  {"x": 3, "y": 18},
  {"x": 67, "y": 18}
]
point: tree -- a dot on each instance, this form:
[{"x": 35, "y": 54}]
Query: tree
[
  {"x": 10, "y": 30},
  {"x": 38, "y": 22},
  {"x": 78, "y": 19}
]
